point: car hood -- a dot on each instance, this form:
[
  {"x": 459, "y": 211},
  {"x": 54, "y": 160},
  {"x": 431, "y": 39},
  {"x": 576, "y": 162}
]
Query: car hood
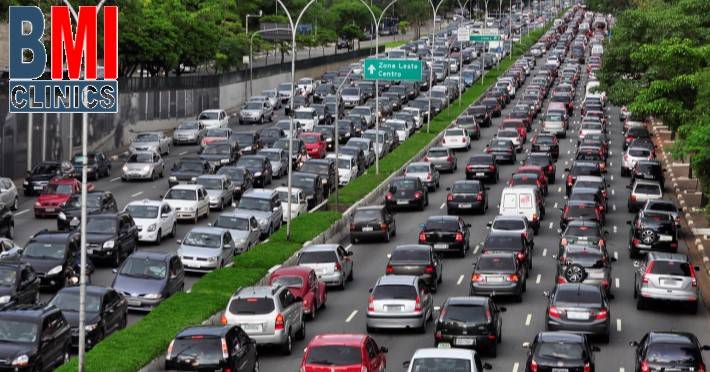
[
  {"x": 11, "y": 350},
  {"x": 214, "y": 157},
  {"x": 52, "y": 198},
  {"x": 137, "y": 167},
  {"x": 255, "y": 213},
  {"x": 41, "y": 177},
  {"x": 185, "y": 132},
  {"x": 130, "y": 284},
  {"x": 181, "y": 203},
  {"x": 72, "y": 318},
  {"x": 42, "y": 265},
  {"x": 250, "y": 112},
  {"x": 202, "y": 252},
  {"x": 145, "y": 145},
  {"x": 185, "y": 173},
  {"x": 214, "y": 193},
  {"x": 239, "y": 234},
  {"x": 98, "y": 237}
]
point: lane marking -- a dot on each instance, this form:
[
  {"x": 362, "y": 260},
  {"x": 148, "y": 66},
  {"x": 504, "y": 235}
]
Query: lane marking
[
  {"x": 621, "y": 369},
  {"x": 610, "y": 152},
  {"x": 613, "y": 207},
  {"x": 528, "y": 319},
  {"x": 20, "y": 213},
  {"x": 475, "y": 249},
  {"x": 537, "y": 280},
  {"x": 611, "y": 163},
  {"x": 352, "y": 315},
  {"x": 618, "y": 324},
  {"x": 615, "y": 229},
  {"x": 347, "y": 247},
  {"x": 136, "y": 194},
  {"x": 569, "y": 152},
  {"x": 115, "y": 179},
  {"x": 616, "y": 282},
  {"x": 182, "y": 153},
  {"x": 544, "y": 252},
  {"x": 460, "y": 280},
  {"x": 556, "y": 204},
  {"x": 616, "y": 255},
  {"x": 566, "y": 162},
  {"x": 551, "y": 223},
  {"x": 442, "y": 205},
  {"x": 437, "y": 308},
  {"x": 515, "y": 366},
  {"x": 559, "y": 189},
  {"x": 612, "y": 177}
]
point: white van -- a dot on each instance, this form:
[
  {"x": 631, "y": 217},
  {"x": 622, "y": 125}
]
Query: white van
[{"x": 521, "y": 201}]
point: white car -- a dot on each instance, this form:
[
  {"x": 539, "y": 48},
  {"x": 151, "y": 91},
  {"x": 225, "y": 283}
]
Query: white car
[
  {"x": 273, "y": 96},
  {"x": 456, "y": 139},
  {"x": 446, "y": 359},
  {"x": 400, "y": 127},
  {"x": 590, "y": 128},
  {"x": 417, "y": 114},
  {"x": 632, "y": 156},
  {"x": 189, "y": 201},
  {"x": 347, "y": 168},
  {"x": 298, "y": 202},
  {"x": 307, "y": 86},
  {"x": 214, "y": 118},
  {"x": 155, "y": 219},
  {"x": 306, "y": 117},
  {"x": 151, "y": 142}
]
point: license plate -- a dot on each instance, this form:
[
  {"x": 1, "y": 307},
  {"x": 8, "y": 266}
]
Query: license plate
[
  {"x": 560, "y": 370},
  {"x": 90, "y": 251},
  {"x": 465, "y": 205},
  {"x": 397, "y": 308},
  {"x": 576, "y": 315},
  {"x": 441, "y": 246},
  {"x": 49, "y": 209},
  {"x": 494, "y": 279},
  {"x": 670, "y": 283},
  {"x": 367, "y": 228},
  {"x": 464, "y": 341},
  {"x": 402, "y": 202},
  {"x": 543, "y": 147},
  {"x": 252, "y": 327},
  {"x": 134, "y": 303},
  {"x": 665, "y": 238},
  {"x": 480, "y": 174},
  {"x": 39, "y": 187}
]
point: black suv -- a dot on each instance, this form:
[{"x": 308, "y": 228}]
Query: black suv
[
  {"x": 212, "y": 348},
  {"x": 260, "y": 168},
  {"x": 187, "y": 171},
  {"x": 33, "y": 338},
  {"x": 18, "y": 284},
  {"x": 39, "y": 176},
  {"x": 650, "y": 170},
  {"x": 470, "y": 322},
  {"x": 54, "y": 255},
  {"x": 446, "y": 233},
  {"x": 111, "y": 237},
  {"x": 405, "y": 192},
  {"x": 325, "y": 168},
  {"x": 652, "y": 231},
  {"x": 96, "y": 202},
  {"x": 240, "y": 177},
  {"x": 372, "y": 222},
  {"x": 676, "y": 351},
  {"x": 7, "y": 222},
  {"x": 97, "y": 165},
  {"x": 312, "y": 186}
]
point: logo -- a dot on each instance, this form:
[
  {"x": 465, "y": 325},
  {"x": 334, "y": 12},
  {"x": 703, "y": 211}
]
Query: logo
[{"x": 67, "y": 88}]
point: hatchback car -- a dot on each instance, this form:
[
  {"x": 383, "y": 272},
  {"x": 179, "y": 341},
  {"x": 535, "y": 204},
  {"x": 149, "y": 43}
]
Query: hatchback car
[
  {"x": 666, "y": 277},
  {"x": 546, "y": 143},
  {"x": 205, "y": 249},
  {"x": 652, "y": 231},
  {"x": 399, "y": 302},
  {"x": 406, "y": 192},
  {"x": 190, "y": 202},
  {"x": 19, "y": 284},
  {"x": 419, "y": 260},
  {"x": 562, "y": 351},
  {"x": 304, "y": 283},
  {"x": 444, "y": 360},
  {"x": 446, "y": 234},
  {"x": 443, "y": 159},
  {"x": 503, "y": 149},
  {"x": 498, "y": 274},
  {"x": 265, "y": 205},
  {"x": 456, "y": 139},
  {"x": 372, "y": 222},
  {"x": 143, "y": 166},
  {"x": 145, "y": 279},
  {"x": 260, "y": 168},
  {"x": 346, "y": 352},
  {"x": 664, "y": 351},
  {"x": 467, "y": 196},
  {"x": 545, "y": 162},
  {"x": 226, "y": 348},
  {"x": 426, "y": 172},
  {"x": 54, "y": 256},
  {"x": 189, "y": 132},
  {"x": 220, "y": 191},
  {"x": 97, "y": 202},
  {"x": 332, "y": 263},
  {"x": 152, "y": 142},
  {"x": 642, "y": 191},
  {"x": 579, "y": 308},
  {"x": 505, "y": 241},
  {"x": 470, "y": 322}
]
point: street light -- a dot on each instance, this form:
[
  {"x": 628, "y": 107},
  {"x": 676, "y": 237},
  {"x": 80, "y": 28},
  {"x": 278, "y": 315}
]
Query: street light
[
  {"x": 377, "y": 81},
  {"x": 434, "y": 9},
  {"x": 337, "y": 117},
  {"x": 293, "y": 93},
  {"x": 485, "y": 22},
  {"x": 463, "y": 18},
  {"x": 246, "y": 25},
  {"x": 251, "y": 53}
]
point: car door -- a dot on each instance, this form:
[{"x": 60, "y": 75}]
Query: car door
[
  {"x": 51, "y": 347},
  {"x": 254, "y": 231},
  {"x": 277, "y": 210},
  {"x": 166, "y": 219},
  {"x": 124, "y": 242},
  {"x": 227, "y": 248},
  {"x": 436, "y": 262},
  {"x": 246, "y": 356},
  {"x": 376, "y": 358},
  {"x": 29, "y": 286},
  {"x": 202, "y": 203},
  {"x": 109, "y": 312},
  {"x": 159, "y": 164},
  {"x": 289, "y": 309},
  {"x": 425, "y": 295},
  {"x": 177, "y": 275},
  {"x": 345, "y": 261}
]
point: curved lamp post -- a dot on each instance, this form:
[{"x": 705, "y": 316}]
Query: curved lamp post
[{"x": 434, "y": 9}]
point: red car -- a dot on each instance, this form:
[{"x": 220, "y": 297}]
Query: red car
[
  {"x": 304, "y": 283},
  {"x": 343, "y": 353},
  {"x": 56, "y": 194},
  {"x": 538, "y": 171},
  {"x": 316, "y": 146},
  {"x": 216, "y": 135},
  {"x": 517, "y": 124}
]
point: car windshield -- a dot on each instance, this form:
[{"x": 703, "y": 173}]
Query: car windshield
[
  {"x": 284, "y": 86},
  {"x": 17, "y": 331},
  {"x": 588, "y": 258},
  {"x": 438, "y": 153},
  {"x": 147, "y": 137},
  {"x": 310, "y": 139},
  {"x": 367, "y": 215},
  {"x": 199, "y": 350},
  {"x": 271, "y": 155},
  {"x": 559, "y": 350},
  {"x": 508, "y": 225},
  {"x": 210, "y": 183},
  {"x": 315, "y": 257},
  {"x": 203, "y": 239},
  {"x": 585, "y": 170},
  {"x": 59, "y": 188},
  {"x": 190, "y": 125},
  {"x": 495, "y": 263},
  {"x": 639, "y": 152},
  {"x": 410, "y": 255},
  {"x": 178, "y": 194},
  {"x": 217, "y": 132},
  {"x": 650, "y": 189},
  {"x": 283, "y": 196},
  {"x": 140, "y": 158},
  {"x": 438, "y": 364},
  {"x": 79, "y": 159},
  {"x": 220, "y": 149},
  {"x": 254, "y": 106},
  {"x": 92, "y": 201},
  {"x": 250, "y": 162},
  {"x": 69, "y": 301},
  {"x": 8, "y": 276},
  {"x": 44, "y": 250},
  {"x": 101, "y": 225},
  {"x": 271, "y": 132},
  {"x": 251, "y": 306},
  {"x": 232, "y": 222},
  {"x": 417, "y": 168},
  {"x": 589, "y": 156},
  {"x": 303, "y": 115},
  {"x": 670, "y": 352},
  {"x": 290, "y": 281},
  {"x": 44, "y": 169},
  {"x": 466, "y": 187},
  {"x": 504, "y": 242},
  {"x": 580, "y": 295},
  {"x": 190, "y": 166},
  {"x": 235, "y": 174},
  {"x": 344, "y": 163},
  {"x": 144, "y": 268},
  {"x": 317, "y": 168},
  {"x": 143, "y": 211},
  {"x": 257, "y": 204},
  {"x": 394, "y": 292},
  {"x": 210, "y": 115},
  {"x": 470, "y": 313},
  {"x": 334, "y": 355}
]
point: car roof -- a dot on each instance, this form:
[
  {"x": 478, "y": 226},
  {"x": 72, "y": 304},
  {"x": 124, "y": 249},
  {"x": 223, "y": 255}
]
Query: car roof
[
  {"x": 665, "y": 256},
  {"x": 454, "y": 353},
  {"x": 338, "y": 339},
  {"x": 152, "y": 255},
  {"x": 204, "y": 330},
  {"x": 320, "y": 248},
  {"x": 397, "y": 280},
  {"x": 468, "y": 300},
  {"x": 409, "y": 247},
  {"x": 147, "y": 202},
  {"x": 257, "y": 291},
  {"x": 560, "y": 336},
  {"x": 186, "y": 187},
  {"x": 259, "y": 193},
  {"x": 26, "y": 311},
  {"x": 207, "y": 229},
  {"x": 370, "y": 208},
  {"x": 48, "y": 235},
  {"x": 671, "y": 337},
  {"x": 443, "y": 217},
  {"x": 90, "y": 289}
]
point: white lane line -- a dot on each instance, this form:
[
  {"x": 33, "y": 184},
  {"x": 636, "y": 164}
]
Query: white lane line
[
  {"x": 347, "y": 247},
  {"x": 569, "y": 152},
  {"x": 621, "y": 369},
  {"x": 136, "y": 194},
  {"x": 618, "y": 324},
  {"x": 556, "y": 204},
  {"x": 616, "y": 282},
  {"x": 613, "y": 207},
  {"x": 20, "y": 213},
  {"x": 612, "y": 192},
  {"x": 528, "y": 319},
  {"x": 537, "y": 280},
  {"x": 616, "y": 255},
  {"x": 317, "y": 207},
  {"x": 352, "y": 315},
  {"x": 442, "y": 205},
  {"x": 615, "y": 229},
  {"x": 559, "y": 189},
  {"x": 458, "y": 282},
  {"x": 551, "y": 224},
  {"x": 516, "y": 366},
  {"x": 437, "y": 308},
  {"x": 475, "y": 249},
  {"x": 115, "y": 179},
  {"x": 182, "y": 153},
  {"x": 544, "y": 252},
  {"x": 566, "y": 162},
  {"x": 610, "y": 152},
  {"x": 611, "y": 163},
  {"x": 612, "y": 177}
]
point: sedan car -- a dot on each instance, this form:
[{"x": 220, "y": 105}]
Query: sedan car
[
  {"x": 426, "y": 172},
  {"x": 399, "y": 302},
  {"x": 470, "y": 322},
  {"x": 405, "y": 192},
  {"x": 667, "y": 351},
  {"x": 502, "y": 149},
  {"x": 187, "y": 170},
  {"x": 260, "y": 168},
  {"x": 205, "y": 249},
  {"x": 97, "y": 202},
  {"x": 147, "y": 278},
  {"x": 189, "y": 201},
  {"x": 143, "y": 166},
  {"x": 419, "y": 260},
  {"x": 332, "y": 263},
  {"x": 97, "y": 165},
  {"x": 467, "y": 196},
  {"x": 446, "y": 234},
  {"x": 220, "y": 191},
  {"x": 442, "y": 158},
  {"x": 154, "y": 219},
  {"x": 343, "y": 352},
  {"x": 278, "y": 159},
  {"x": 498, "y": 274},
  {"x": 189, "y": 132},
  {"x": 298, "y": 202},
  {"x": 579, "y": 308},
  {"x": 256, "y": 112},
  {"x": 372, "y": 222},
  {"x": 19, "y": 284},
  {"x": 456, "y": 139},
  {"x": 226, "y": 348},
  {"x": 152, "y": 142},
  {"x": 560, "y": 350},
  {"x": 548, "y": 143},
  {"x": 303, "y": 283}
]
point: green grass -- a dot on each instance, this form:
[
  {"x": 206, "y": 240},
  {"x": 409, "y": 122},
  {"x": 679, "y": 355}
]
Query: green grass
[
  {"x": 137, "y": 345},
  {"x": 394, "y": 43}
]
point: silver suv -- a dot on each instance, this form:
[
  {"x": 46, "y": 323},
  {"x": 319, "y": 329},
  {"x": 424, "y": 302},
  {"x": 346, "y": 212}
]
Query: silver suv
[
  {"x": 513, "y": 224},
  {"x": 331, "y": 262},
  {"x": 269, "y": 315},
  {"x": 666, "y": 277},
  {"x": 264, "y": 204},
  {"x": 401, "y": 302}
]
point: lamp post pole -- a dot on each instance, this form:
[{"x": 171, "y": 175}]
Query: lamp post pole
[
  {"x": 251, "y": 52},
  {"x": 485, "y": 20},
  {"x": 434, "y": 9},
  {"x": 294, "y": 26},
  {"x": 337, "y": 117},
  {"x": 463, "y": 18},
  {"x": 251, "y": 62},
  {"x": 377, "y": 81}
]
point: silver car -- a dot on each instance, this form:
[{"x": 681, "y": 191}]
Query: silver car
[
  {"x": 401, "y": 302},
  {"x": 511, "y": 223},
  {"x": 642, "y": 191},
  {"x": 269, "y": 315},
  {"x": 273, "y": 96},
  {"x": 278, "y": 159},
  {"x": 331, "y": 262},
  {"x": 8, "y": 193},
  {"x": 143, "y": 165},
  {"x": 206, "y": 248},
  {"x": 150, "y": 141},
  {"x": 220, "y": 189},
  {"x": 189, "y": 132},
  {"x": 666, "y": 277},
  {"x": 256, "y": 112},
  {"x": 264, "y": 204},
  {"x": 9, "y": 250},
  {"x": 243, "y": 227},
  {"x": 426, "y": 172},
  {"x": 442, "y": 158}
]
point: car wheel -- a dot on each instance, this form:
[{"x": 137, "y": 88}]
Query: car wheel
[
  {"x": 116, "y": 259},
  {"x": 493, "y": 351},
  {"x": 387, "y": 237},
  {"x": 641, "y": 304},
  {"x": 287, "y": 347},
  {"x": 353, "y": 240},
  {"x": 351, "y": 275},
  {"x": 174, "y": 230},
  {"x": 159, "y": 237},
  {"x": 11, "y": 231},
  {"x": 221, "y": 204},
  {"x": 153, "y": 176},
  {"x": 16, "y": 204},
  {"x": 301, "y": 334},
  {"x": 256, "y": 365}
]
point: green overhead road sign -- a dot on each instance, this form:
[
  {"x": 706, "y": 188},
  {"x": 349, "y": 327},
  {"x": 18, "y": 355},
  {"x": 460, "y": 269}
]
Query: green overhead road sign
[
  {"x": 477, "y": 37},
  {"x": 392, "y": 69}
]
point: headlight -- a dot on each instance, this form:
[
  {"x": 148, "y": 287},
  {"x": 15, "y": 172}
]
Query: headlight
[
  {"x": 55, "y": 270},
  {"x": 212, "y": 259},
  {"x": 242, "y": 241},
  {"x": 194, "y": 179},
  {"x": 153, "y": 296},
  {"x": 248, "y": 148},
  {"x": 108, "y": 244},
  {"x": 21, "y": 361},
  {"x": 152, "y": 227},
  {"x": 5, "y": 299},
  {"x": 263, "y": 221},
  {"x": 90, "y": 327},
  {"x": 62, "y": 216},
  {"x": 172, "y": 178},
  {"x": 257, "y": 174},
  {"x": 125, "y": 168},
  {"x": 146, "y": 168},
  {"x": 190, "y": 209},
  {"x": 26, "y": 183}
]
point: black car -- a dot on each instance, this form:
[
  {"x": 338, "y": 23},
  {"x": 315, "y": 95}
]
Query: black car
[
  {"x": 328, "y": 132},
  {"x": 579, "y": 308},
  {"x": 97, "y": 165},
  {"x": 187, "y": 170},
  {"x": 372, "y": 222},
  {"x": 53, "y": 255},
  {"x": 669, "y": 351},
  {"x": 650, "y": 170},
  {"x": 345, "y": 130},
  {"x": 298, "y": 150},
  {"x": 467, "y": 196},
  {"x": 106, "y": 312},
  {"x": 323, "y": 114},
  {"x": 7, "y": 222},
  {"x": 34, "y": 338},
  {"x": 111, "y": 237},
  {"x": 470, "y": 322},
  {"x": 407, "y": 192},
  {"x": 446, "y": 234},
  {"x": 566, "y": 351},
  {"x": 580, "y": 210},
  {"x": 249, "y": 142},
  {"x": 19, "y": 284},
  {"x": 493, "y": 105},
  {"x": 580, "y": 168},
  {"x": 652, "y": 231},
  {"x": 39, "y": 176},
  {"x": 219, "y": 153},
  {"x": 312, "y": 186},
  {"x": 260, "y": 168},
  {"x": 270, "y": 135},
  {"x": 96, "y": 202},
  {"x": 325, "y": 168},
  {"x": 240, "y": 177},
  {"x": 544, "y": 161},
  {"x": 322, "y": 91},
  {"x": 548, "y": 143},
  {"x": 503, "y": 149},
  {"x": 502, "y": 241},
  {"x": 418, "y": 260},
  {"x": 482, "y": 167},
  {"x": 225, "y": 348}
]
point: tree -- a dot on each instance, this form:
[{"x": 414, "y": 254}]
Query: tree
[{"x": 403, "y": 27}]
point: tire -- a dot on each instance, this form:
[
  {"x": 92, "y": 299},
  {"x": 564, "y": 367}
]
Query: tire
[
  {"x": 351, "y": 275},
  {"x": 604, "y": 338},
  {"x": 493, "y": 351},
  {"x": 287, "y": 347},
  {"x": 116, "y": 260},
  {"x": 256, "y": 365},
  {"x": 221, "y": 204},
  {"x": 16, "y": 204},
  {"x": 173, "y": 232},
  {"x": 640, "y": 304},
  {"x": 693, "y": 307},
  {"x": 387, "y": 237},
  {"x": 313, "y": 312},
  {"x": 353, "y": 240},
  {"x": 11, "y": 231},
  {"x": 159, "y": 237},
  {"x": 301, "y": 334},
  {"x": 124, "y": 322}
]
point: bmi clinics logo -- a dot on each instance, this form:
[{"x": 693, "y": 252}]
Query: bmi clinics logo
[{"x": 67, "y": 88}]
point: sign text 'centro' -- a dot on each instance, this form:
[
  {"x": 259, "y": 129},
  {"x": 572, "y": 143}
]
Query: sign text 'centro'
[
  {"x": 393, "y": 69},
  {"x": 66, "y": 87}
]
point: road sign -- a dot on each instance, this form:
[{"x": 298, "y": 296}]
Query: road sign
[
  {"x": 463, "y": 34},
  {"x": 484, "y": 38},
  {"x": 393, "y": 69}
]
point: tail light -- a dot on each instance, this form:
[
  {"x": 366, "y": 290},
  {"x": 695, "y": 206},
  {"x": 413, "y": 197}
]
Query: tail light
[
  {"x": 520, "y": 256},
  {"x": 649, "y": 269},
  {"x": 635, "y": 242},
  {"x": 626, "y": 157},
  {"x": 492, "y": 167},
  {"x": 418, "y": 304},
  {"x": 417, "y": 195},
  {"x": 383, "y": 226},
  {"x": 223, "y": 319},
  {"x": 389, "y": 196},
  {"x": 701, "y": 367},
  {"x": 459, "y": 236},
  {"x": 476, "y": 277},
  {"x": 561, "y": 280},
  {"x": 549, "y": 168},
  {"x": 389, "y": 269},
  {"x": 632, "y": 197},
  {"x": 587, "y": 368},
  {"x": 450, "y": 158},
  {"x": 469, "y": 167},
  {"x": 429, "y": 269},
  {"x": 225, "y": 351},
  {"x": 352, "y": 227},
  {"x": 438, "y": 335},
  {"x": 489, "y": 150},
  {"x": 533, "y": 366},
  {"x": 280, "y": 322},
  {"x": 537, "y": 182},
  {"x": 464, "y": 138},
  {"x": 601, "y": 314},
  {"x": 693, "y": 280},
  {"x": 564, "y": 241},
  {"x": 422, "y": 236},
  {"x": 370, "y": 303},
  {"x": 170, "y": 349},
  {"x": 570, "y": 180},
  {"x": 605, "y": 283},
  {"x": 426, "y": 158},
  {"x": 554, "y": 312},
  {"x": 338, "y": 267},
  {"x": 479, "y": 196},
  {"x": 449, "y": 197},
  {"x": 512, "y": 278},
  {"x": 645, "y": 367}
]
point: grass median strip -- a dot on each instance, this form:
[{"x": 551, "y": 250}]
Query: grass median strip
[{"x": 137, "y": 345}]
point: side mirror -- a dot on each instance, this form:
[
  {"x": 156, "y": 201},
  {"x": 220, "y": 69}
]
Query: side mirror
[
  {"x": 503, "y": 309},
  {"x": 613, "y": 259},
  {"x": 405, "y": 364},
  {"x": 487, "y": 366},
  {"x": 298, "y": 299},
  {"x": 489, "y": 224},
  {"x": 179, "y": 241},
  {"x": 115, "y": 271},
  {"x": 696, "y": 268},
  {"x": 468, "y": 225},
  {"x": 384, "y": 350},
  {"x": 448, "y": 189},
  {"x": 369, "y": 290},
  {"x": 633, "y": 343},
  {"x": 350, "y": 253},
  {"x": 566, "y": 169},
  {"x": 526, "y": 345},
  {"x": 628, "y": 222},
  {"x": 546, "y": 294}
]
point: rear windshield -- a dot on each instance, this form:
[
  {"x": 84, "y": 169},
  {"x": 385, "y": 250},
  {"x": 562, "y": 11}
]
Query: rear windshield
[
  {"x": 465, "y": 313},
  {"x": 315, "y": 257},
  {"x": 559, "y": 351},
  {"x": 454, "y": 132},
  {"x": 585, "y": 170},
  {"x": 504, "y": 242},
  {"x": 676, "y": 353},
  {"x": 410, "y": 255},
  {"x": 367, "y": 215},
  {"x": 438, "y": 153},
  {"x": 466, "y": 187},
  {"x": 510, "y": 200},
  {"x": 644, "y": 188},
  {"x": 384, "y": 292},
  {"x": 441, "y": 225},
  {"x": 403, "y": 184},
  {"x": 671, "y": 268},
  {"x": 200, "y": 350},
  {"x": 666, "y": 207},
  {"x": 578, "y": 296},
  {"x": 587, "y": 258},
  {"x": 439, "y": 364},
  {"x": 480, "y": 160},
  {"x": 334, "y": 355},
  {"x": 580, "y": 211},
  {"x": 251, "y": 306},
  {"x": 497, "y": 263},
  {"x": 504, "y": 224},
  {"x": 639, "y": 152}
]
